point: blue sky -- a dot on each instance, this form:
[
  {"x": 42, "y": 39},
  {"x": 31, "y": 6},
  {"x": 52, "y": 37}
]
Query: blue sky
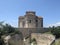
[{"x": 10, "y": 10}]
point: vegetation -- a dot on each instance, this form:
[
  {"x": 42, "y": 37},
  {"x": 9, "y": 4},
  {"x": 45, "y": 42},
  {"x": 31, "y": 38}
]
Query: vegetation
[
  {"x": 57, "y": 42},
  {"x": 55, "y": 31},
  {"x": 6, "y": 29},
  {"x": 34, "y": 41}
]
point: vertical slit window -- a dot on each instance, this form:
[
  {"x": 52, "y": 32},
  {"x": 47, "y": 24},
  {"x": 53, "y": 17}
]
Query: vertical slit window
[{"x": 29, "y": 21}]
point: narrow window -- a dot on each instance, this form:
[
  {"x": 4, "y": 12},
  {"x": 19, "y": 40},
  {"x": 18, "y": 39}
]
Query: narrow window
[
  {"x": 36, "y": 23},
  {"x": 29, "y": 21},
  {"x": 23, "y": 23},
  {"x": 36, "y": 20}
]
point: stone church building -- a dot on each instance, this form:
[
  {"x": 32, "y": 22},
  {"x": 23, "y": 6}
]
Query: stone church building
[
  {"x": 31, "y": 31},
  {"x": 31, "y": 27},
  {"x": 30, "y": 23},
  {"x": 30, "y": 20}
]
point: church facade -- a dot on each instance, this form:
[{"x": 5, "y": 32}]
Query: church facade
[{"x": 30, "y": 20}]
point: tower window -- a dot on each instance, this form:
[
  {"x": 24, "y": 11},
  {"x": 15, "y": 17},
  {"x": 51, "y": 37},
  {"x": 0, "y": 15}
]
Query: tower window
[
  {"x": 23, "y": 23},
  {"x": 36, "y": 20},
  {"x": 29, "y": 21}
]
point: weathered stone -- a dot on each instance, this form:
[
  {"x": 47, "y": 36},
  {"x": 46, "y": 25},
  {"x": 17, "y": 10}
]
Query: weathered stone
[
  {"x": 16, "y": 40},
  {"x": 30, "y": 20},
  {"x": 43, "y": 39}
]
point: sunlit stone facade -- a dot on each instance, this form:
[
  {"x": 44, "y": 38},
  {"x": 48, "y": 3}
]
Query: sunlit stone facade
[{"x": 30, "y": 20}]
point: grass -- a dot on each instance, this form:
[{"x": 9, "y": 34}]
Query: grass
[{"x": 57, "y": 42}]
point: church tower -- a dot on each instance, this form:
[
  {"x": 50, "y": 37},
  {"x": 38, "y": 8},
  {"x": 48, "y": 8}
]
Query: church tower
[{"x": 30, "y": 20}]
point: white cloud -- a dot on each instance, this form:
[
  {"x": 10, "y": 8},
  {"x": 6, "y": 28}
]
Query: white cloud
[{"x": 56, "y": 24}]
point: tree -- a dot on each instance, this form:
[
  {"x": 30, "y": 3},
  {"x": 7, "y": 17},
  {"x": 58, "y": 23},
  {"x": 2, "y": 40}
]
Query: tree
[
  {"x": 56, "y": 31},
  {"x": 5, "y": 29},
  {"x": 8, "y": 29},
  {"x": 1, "y": 40}
]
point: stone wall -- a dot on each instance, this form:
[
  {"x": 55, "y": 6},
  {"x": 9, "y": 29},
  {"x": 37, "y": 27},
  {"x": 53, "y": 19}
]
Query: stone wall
[
  {"x": 27, "y": 31},
  {"x": 16, "y": 40},
  {"x": 30, "y": 20},
  {"x": 43, "y": 39}
]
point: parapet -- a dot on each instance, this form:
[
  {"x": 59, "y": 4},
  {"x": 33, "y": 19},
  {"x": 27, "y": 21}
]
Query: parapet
[{"x": 30, "y": 12}]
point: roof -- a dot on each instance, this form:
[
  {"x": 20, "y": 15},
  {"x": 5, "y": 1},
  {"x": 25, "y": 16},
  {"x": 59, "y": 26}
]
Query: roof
[
  {"x": 40, "y": 17},
  {"x": 30, "y": 12},
  {"x": 21, "y": 16}
]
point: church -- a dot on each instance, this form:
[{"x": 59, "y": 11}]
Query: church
[
  {"x": 31, "y": 27},
  {"x": 30, "y": 20},
  {"x": 30, "y": 23},
  {"x": 32, "y": 31}
]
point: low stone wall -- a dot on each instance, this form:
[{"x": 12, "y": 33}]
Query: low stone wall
[
  {"x": 16, "y": 40},
  {"x": 27, "y": 31}
]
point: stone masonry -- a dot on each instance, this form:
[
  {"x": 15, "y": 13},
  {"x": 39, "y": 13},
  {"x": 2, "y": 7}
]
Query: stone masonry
[
  {"x": 43, "y": 39},
  {"x": 30, "y": 20},
  {"x": 31, "y": 26}
]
